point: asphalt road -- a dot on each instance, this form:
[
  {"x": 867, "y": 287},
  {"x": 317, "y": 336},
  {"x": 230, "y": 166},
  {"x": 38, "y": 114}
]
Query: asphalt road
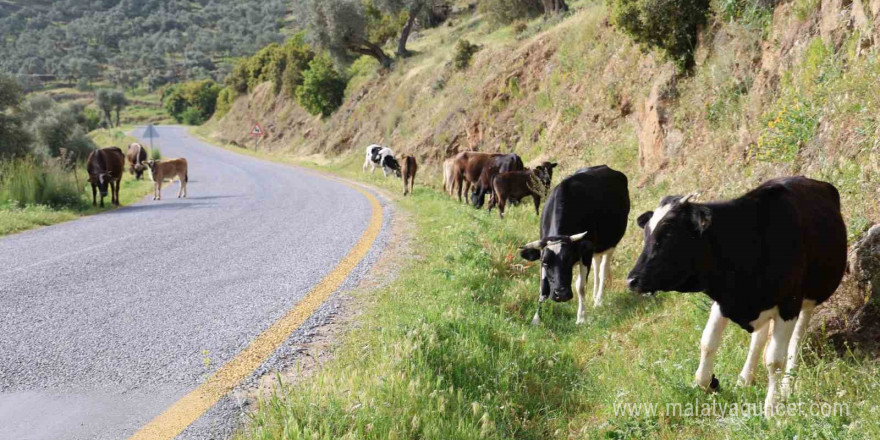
[{"x": 107, "y": 320}]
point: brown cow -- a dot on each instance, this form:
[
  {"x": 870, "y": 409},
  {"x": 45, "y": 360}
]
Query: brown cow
[
  {"x": 408, "y": 170},
  {"x": 105, "y": 167},
  {"x": 467, "y": 169},
  {"x": 168, "y": 169},
  {"x": 495, "y": 166},
  {"x": 514, "y": 185},
  {"x": 136, "y": 156}
]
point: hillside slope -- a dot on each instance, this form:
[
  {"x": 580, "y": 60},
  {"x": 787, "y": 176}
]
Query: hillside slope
[{"x": 780, "y": 92}]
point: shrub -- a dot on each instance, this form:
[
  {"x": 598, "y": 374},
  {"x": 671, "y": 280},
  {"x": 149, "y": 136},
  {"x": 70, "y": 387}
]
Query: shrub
[
  {"x": 669, "y": 25},
  {"x": 83, "y": 85},
  {"x": 322, "y": 89},
  {"x": 520, "y": 26},
  {"x": 155, "y": 154},
  {"x": 225, "y": 99},
  {"x": 785, "y": 132},
  {"x": 502, "y": 12},
  {"x": 237, "y": 80},
  {"x": 192, "y": 116},
  {"x": 464, "y": 51},
  {"x": 28, "y": 182},
  {"x": 190, "y": 98},
  {"x": 298, "y": 56}
]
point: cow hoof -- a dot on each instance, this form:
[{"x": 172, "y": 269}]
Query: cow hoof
[
  {"x": 580, "y": 321},
  {"x": 713, "y": 385}
]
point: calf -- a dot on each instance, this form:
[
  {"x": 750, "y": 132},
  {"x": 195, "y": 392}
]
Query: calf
[
  {"x": 136, "y": 155},
  {"x": 448, "y": 180},
  {"x": 584, "y": 219},
  {"x": 501, "y": 163},
  {"x": 105, "y": 167},
  {"x": 372, "y": 157},
  {"x": 409, "y": 172},
  {"x": 168, "y": 169},
  {"x": 771, "y": 255},
  {"x": 515, "y": 185},
  {"x": 467, "y": 168}
]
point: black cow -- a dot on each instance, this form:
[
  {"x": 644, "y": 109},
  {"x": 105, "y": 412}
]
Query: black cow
[
  {"x": 583, "y": 220},
  {"x": 771, "y": 255},
  {"x": 496, "y": 165},
  {"x": 105, "y": 168}
]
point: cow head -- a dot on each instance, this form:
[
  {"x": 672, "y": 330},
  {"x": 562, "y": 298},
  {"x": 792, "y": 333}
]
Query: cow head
[
  {"x": 139, "y": 170},
  {"x": 391, "y": 163},
  {"x": 544, "y": 174},
  {"x": 548, "y": 166},
  {"x": 558, "y": 256},
  {"x": 674, "y": 247},
  {"x": 374, "y": 154},
  {"x": 102, "y": 180}
]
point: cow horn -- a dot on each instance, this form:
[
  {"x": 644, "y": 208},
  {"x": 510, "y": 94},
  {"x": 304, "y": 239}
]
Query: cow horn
[
  {"x": 533, "y": 245},
  {"x": 577, "y": 237},
  {"x": 689, "y": 197}
]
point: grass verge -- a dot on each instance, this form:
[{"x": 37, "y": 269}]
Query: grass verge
[
  {"x": 447, "y": 351},
  {"x": 15, "y": 218}
]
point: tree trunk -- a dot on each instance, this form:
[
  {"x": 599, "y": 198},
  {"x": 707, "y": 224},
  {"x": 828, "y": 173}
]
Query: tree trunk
[
  {"x": 364, "y": 47},
  {"x": 407, "y": 28},
  {"x": 554, "y": 7},
  {"x": 117, "y": 117}
]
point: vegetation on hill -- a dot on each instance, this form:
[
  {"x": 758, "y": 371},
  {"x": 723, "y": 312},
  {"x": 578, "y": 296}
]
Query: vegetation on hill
[
  {"x": 769, "y": 90},
  {"x": 132, "y": 43}
]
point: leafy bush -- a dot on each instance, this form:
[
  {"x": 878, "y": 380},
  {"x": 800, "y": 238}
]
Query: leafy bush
[
  {"x": 192, "y": 116},
  {"x": 669, "y": 25},
  {"x": 464, "y": 51},
  {"x": 501, "y": 12},
  {"x": 785, "y": 132},
  {"x": 155, "y": 154},
  {"x": 520, "y": 26},
  {"x": 282, "y": 65},
  {"x": 224, "y": 102},
  {"x": 191, "y": 101},
  {"x": 322, "y": 89}
]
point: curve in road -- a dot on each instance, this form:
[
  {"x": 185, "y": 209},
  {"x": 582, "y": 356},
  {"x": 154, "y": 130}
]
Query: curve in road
[{"x": 109, "y": 320}]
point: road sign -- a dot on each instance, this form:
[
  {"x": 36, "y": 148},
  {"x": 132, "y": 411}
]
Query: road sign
[
  {"x": 150, "y": 133},
  {"x": 257, "y": 131}
]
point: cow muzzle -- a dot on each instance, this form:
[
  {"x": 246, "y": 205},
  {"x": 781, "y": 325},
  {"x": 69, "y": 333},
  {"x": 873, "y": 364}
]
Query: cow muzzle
[{"x": 562, "y": 295}]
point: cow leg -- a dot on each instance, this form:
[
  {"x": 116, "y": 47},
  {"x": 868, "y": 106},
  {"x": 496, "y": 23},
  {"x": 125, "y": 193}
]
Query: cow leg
[
  {"x": 709, "y": 344},
  {"x": 116, "y": 192},
  {"x": 800, "y": 329},
  {"x": 502, "y": 203},
  {"x": 595, "y": 267},
  {"x": 537, "y": 199},
  {"x": 759, "y": 341},
  {"x": 94, "y": 195},
  {"x": 774, "y": 359},
  {"x": 602, "y": 275},
  {"x": 180, "y": 188},
  {"x": 579, "y": 286},
  {"x": 158, "y": 192}
]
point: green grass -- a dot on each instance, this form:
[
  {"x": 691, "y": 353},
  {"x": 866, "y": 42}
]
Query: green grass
[{"x": 447, "y": 351}]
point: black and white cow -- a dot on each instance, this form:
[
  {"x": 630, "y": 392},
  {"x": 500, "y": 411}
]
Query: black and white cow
[
  {"x": 771, "y": 255},
  {"x": 372, "y": 157},
  {"x": 583, "y": 220}
]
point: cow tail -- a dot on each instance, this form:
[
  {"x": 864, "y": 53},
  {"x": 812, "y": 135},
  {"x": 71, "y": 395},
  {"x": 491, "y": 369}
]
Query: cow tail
[{"x": 186, "y": 177}]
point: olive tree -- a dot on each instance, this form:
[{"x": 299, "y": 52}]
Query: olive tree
[{"x": 342, "y": 27}]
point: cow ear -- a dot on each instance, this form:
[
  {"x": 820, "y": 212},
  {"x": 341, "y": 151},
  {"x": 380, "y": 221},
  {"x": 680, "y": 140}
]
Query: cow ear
[
  {"x": 644, "y": 219},
  {"x": 530, "y": 254},
  {"x": 702, "y": 217},
  {"x": 553, "y": 165}
]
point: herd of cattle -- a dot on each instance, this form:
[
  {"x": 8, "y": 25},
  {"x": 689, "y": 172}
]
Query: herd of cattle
[
  {"x": 770, "y": 255},
  {"x": 105, "y": 168}
]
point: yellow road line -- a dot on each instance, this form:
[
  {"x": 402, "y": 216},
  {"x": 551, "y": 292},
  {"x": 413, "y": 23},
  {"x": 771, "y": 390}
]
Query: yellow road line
[{"x": 190, "y": 407}]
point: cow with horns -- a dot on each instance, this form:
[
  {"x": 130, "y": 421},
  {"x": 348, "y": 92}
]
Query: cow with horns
[
  {"x": 582, "y": 222},
  {"x": 771, "y": 255}
]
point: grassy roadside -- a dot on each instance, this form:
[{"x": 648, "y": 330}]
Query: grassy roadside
[
  {"x": 447, "y": 352},
  {"x": 16, "y": 219}
]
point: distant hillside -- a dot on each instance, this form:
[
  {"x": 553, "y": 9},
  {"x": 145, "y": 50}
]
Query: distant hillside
[{"x": 129, "y": 42}]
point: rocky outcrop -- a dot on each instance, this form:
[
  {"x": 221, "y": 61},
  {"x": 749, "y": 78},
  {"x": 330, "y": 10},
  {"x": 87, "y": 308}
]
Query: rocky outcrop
[
  {"x": 653, "y": 121},
  {"x": 865, "y": 262}
]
